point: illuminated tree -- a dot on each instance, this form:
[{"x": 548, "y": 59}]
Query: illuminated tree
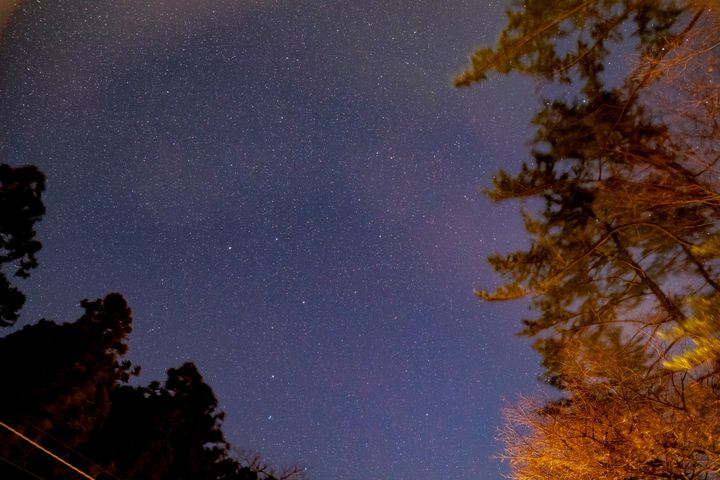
[
  {"x": 696, "y": 341},
  {"x": 626, "y": 200},
  {"x": 623, "y": 213},
  {"x": 622, "y": 416}
]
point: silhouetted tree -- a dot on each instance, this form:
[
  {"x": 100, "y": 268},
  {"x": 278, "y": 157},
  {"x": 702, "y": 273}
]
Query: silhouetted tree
[
  {"x": 164, "y": 432},
  {"x": 65, "y": 386},
  {"x": 61, "y": 376},
  {"x": 252, "y": 463},
  {"x": 58, "y": 378},
  {"x": 21, "y": 204}
]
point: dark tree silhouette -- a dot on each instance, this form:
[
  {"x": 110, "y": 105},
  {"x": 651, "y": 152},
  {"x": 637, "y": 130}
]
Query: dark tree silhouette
[
  {"x": 65, "y": 386},
  {"x": 21, "y": 204},
  {"x": 58, "y": 379},
  {"x": 164, "y": 432}
]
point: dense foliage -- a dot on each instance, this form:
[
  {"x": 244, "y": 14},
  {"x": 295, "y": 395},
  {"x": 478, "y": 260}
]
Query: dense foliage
[
  {"x": 66, "y": 386},
  {"x": 20, "y": 198},
  {"x": 622, "y": 212}
]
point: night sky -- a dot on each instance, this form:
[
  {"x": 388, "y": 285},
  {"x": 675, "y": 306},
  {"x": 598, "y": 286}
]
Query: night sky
[{"x": 287, "y": 193}]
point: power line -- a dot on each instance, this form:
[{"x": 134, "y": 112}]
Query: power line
[
  {"x": 21, "y": 468},
  {"x": 40, "y": 447},
  {"x": 60, "y": 442}
]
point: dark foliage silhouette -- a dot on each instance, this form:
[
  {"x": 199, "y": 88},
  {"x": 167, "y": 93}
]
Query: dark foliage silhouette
[
  {"x": 21, "y": 204},
  {"x": 66, "y": 386}
]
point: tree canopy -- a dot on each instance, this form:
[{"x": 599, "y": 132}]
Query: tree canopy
[
  {"x": 21, "y": 191},
  {"x": 621, "y": 207},
  {"x": 67, "y": 387},
  {"x": 629, "y": 207}
]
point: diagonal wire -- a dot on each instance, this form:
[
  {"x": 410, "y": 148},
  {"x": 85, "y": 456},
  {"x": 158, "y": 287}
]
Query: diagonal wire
[
  {"x": 60, "y": 442},
  {"x": 21, "y": 468},
  {"x": 45, "y": 450}
]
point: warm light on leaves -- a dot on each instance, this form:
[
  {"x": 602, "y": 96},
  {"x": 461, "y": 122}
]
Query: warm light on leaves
[
  {"x": 624, "y": 254},
  {"x": 699, "y": 336}
]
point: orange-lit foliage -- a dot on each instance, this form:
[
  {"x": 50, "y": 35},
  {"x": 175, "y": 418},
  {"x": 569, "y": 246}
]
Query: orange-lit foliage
[
  {"x": 624, "y": 254},
  {"x": 625, "y": 187},
  {"x": 623, "y": 416}
]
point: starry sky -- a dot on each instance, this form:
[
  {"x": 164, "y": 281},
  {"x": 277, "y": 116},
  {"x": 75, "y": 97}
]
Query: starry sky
[{"x": 288, "y": 194}]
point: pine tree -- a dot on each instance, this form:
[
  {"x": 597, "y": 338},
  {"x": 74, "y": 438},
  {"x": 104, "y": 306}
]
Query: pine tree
[
  {"x": 626, "y": 201},
  {"x": 623, "y": 213},
  {"x": 21, "y": 191},
  {"x": 66, "y": 386}
]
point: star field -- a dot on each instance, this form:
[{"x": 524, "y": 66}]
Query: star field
[{"x": 287, "y": 193}]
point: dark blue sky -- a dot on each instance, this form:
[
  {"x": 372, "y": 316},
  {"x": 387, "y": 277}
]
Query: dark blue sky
[{"x": 287, "y": 193}]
